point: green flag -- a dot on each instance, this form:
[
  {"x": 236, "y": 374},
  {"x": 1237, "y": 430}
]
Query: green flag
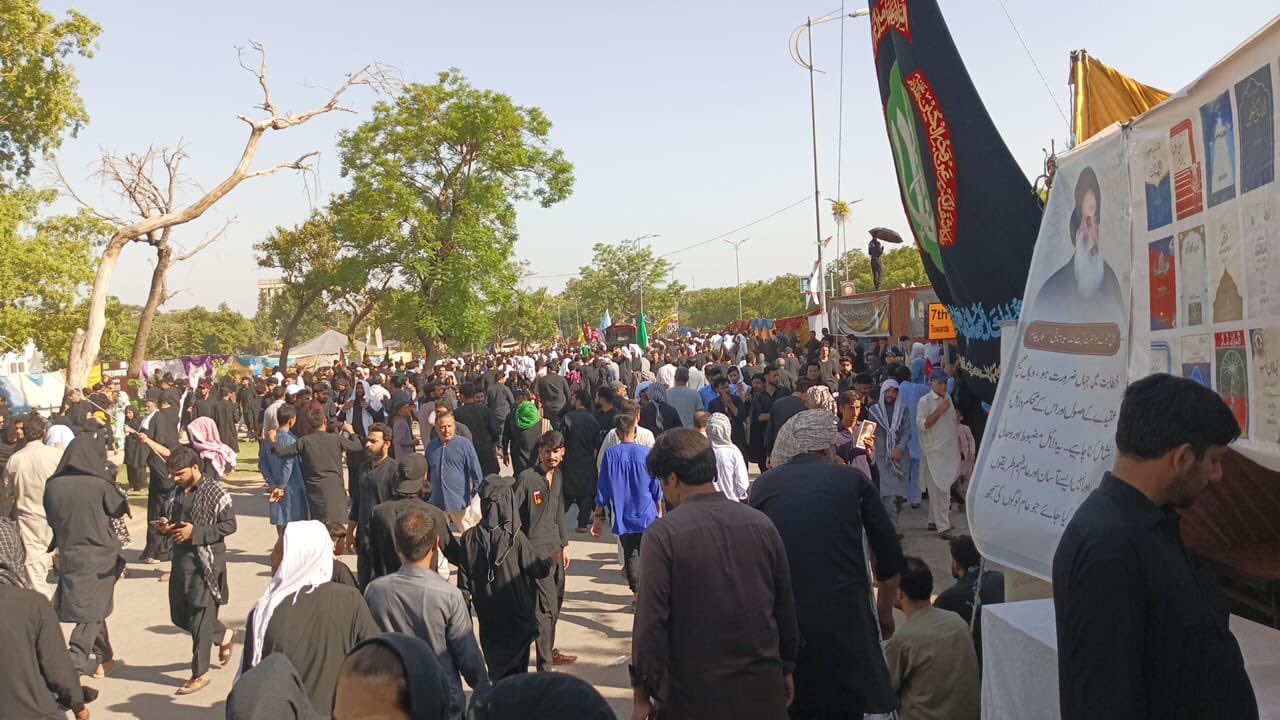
[{"x": 642, "y": 334}]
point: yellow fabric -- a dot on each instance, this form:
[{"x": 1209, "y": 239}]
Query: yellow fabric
[
  {"x": 95, "y": 376},
  {"x": 1105, "y": 96}
]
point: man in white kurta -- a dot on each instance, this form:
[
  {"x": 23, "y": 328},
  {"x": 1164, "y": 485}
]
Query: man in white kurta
[{"x": 939, "y": 428}]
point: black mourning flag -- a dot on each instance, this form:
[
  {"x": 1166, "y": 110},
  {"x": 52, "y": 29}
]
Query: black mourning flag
[{"x": 973, "y": 214}]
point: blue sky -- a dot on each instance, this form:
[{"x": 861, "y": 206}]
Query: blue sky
[{"x": 684, "y": 119}]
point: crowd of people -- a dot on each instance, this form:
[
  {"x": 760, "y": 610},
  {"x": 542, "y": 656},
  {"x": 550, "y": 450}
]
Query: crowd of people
[{"x": 766, "y": 594}]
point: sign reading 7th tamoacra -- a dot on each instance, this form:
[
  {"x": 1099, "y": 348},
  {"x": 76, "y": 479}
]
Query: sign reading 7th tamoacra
[{"x": 940, "y": 325}]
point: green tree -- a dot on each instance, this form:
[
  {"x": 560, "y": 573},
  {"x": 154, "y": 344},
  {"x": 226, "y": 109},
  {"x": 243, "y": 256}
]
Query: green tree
[
  {"x": 527, "y": 316},
  {"x": 39, "y": 99},
  {"x": 621, "y": 277},
  {"x": 436, "y": 175},
  {"x": 902, "y": 267},
  {"x": 317, "y": 267},
  {"x": 45, "y": 266},
  {"x": 713, "y": 308},
  {"x": 200, "y": 331}
]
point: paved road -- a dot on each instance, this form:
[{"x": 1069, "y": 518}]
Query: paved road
[{"x": 595, "y": 624}]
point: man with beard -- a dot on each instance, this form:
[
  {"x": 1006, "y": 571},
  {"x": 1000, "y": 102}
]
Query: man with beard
[
  {"x": 1086, "y": 288},
  {"x": 1160, "y": 645},
  {"x": 541, "y": 509},
  {"x": 373, "y": 487}
]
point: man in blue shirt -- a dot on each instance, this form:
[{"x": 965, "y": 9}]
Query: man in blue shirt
[
  {"x": 453, "y": 471},
  {"x": 634, "y": 495}
]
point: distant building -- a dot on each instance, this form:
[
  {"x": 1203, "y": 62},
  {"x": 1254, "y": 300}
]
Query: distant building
[
  {"x": 27, "y": 360},
  {"x": 268, "y": 289}
]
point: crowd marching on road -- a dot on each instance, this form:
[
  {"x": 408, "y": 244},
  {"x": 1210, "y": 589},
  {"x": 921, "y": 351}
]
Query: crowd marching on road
[{"x": 764, "y": 594}]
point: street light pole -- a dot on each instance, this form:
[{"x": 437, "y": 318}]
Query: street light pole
[
  {"x": 807, "y": 27},
  {"x": 737, "y": 270}
]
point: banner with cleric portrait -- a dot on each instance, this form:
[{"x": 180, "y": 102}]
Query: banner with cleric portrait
[
  {"x": 1052, "y": 426},
  {"x": 1159, "y": 252}
]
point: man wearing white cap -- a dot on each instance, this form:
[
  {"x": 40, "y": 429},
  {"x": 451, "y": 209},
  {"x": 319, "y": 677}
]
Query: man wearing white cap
[{"x": 939, "y": 428}]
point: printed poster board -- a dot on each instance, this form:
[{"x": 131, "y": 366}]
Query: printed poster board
[{"x": 1159, "y": 251}]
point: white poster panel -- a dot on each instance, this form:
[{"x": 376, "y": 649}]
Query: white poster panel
[
  {"x": 1188, "y": 227},
  {"x": 1052, "y": 427},
  {"x": 1225, "y": 269}
]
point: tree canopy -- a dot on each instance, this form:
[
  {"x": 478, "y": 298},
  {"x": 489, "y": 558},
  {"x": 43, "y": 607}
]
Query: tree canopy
[
  {"x": 39, "y": 98},
  {"x": 620, "y": 276},
  {"x": 436, "y": 175}
]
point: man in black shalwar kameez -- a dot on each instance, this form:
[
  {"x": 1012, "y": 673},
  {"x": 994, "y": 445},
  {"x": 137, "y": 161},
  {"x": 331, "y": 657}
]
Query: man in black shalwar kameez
[
  {"x": 821, "y": 510},
  {"x": 377, "y": 478},
  {"x": 541, "y": 510},
  {"x": 199, "y": 519},
  {"x": 582, "y": 436},
  {"x": 161, "y": 428},
  {"x": 226, "y": 415},
  {"x": 496, "y": 571}
]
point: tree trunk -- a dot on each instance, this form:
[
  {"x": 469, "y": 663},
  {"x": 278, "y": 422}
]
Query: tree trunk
[
  {"x": 87, "y": 341},
  {"x": 358, "y": 318},
  {"x": 291, "y": 332},
  {"x": 155, "y": 298}
]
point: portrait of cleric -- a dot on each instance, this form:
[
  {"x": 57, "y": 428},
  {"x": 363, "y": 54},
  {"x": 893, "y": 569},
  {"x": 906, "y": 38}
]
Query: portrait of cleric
[{"x": 1085, "y": 289}]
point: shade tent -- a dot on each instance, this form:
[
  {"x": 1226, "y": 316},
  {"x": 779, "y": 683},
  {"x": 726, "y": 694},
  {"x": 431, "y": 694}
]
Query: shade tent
[{"x": 329, "y": 342}]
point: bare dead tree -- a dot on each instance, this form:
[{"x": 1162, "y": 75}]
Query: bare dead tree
[
  {"x": 167, "y": 256},
  {"x": 157, "y": 210}
]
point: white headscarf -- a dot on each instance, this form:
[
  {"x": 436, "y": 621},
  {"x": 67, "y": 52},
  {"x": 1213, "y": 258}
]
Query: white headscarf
[
  {"x": 880, "y": 412},
  {"x": 719, "y": 431},
  {"x": 59, "y": 436},
  {"x": 307, "y": 562}
]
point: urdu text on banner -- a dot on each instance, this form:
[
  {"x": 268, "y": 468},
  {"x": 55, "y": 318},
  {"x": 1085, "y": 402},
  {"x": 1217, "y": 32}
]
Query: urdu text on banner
[{"x": 1159, "y": 251}]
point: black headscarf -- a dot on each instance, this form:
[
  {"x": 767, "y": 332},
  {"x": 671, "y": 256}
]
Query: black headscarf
[
  {"x": 86, "y": 455},
  {"x": 500, "y": 521},
  {"x": 270, "y": 690},
  {"x": 426, "y": 683},
  {"x": 540, "y": 695}
]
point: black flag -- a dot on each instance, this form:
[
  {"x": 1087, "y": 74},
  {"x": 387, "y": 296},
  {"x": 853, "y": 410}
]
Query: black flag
[{"x": 973, "y": 213}]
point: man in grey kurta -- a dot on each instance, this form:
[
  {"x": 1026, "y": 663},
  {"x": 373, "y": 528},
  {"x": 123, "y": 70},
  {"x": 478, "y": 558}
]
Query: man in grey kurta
[
  {"x": 416, "y": 601},
  {"x": 79, "y": 501}
]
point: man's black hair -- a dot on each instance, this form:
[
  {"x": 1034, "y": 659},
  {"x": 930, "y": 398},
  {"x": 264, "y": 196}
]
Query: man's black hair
[
  {"x": 902, "y": 374},
  {"x": 285, "y": 413},
  {"x": 915, "y": 581},
  {"x": 467, "y": 390},
  {"x": 415, "y": 534},
  {"x": 682, "y": 374},
  {"x": 608, "y": 395},
  {"x": 33, "y": 426},
  {"x": 380, "y": 428},
  {"x": 685, "y": 452},
  {"x": 582, "y": 396},
  {"x": 551, "y": 440},
  {"x": 1161, "y": 413},
  {"x": 965, "y": 552},
  {"x": 719, "y": 382},
  {"x": 183, "y": 456}
]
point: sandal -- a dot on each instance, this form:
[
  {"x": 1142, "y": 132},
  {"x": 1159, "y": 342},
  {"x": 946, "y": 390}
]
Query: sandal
[
  {"x": 224, "y": 648},
  {"x": 193, "y": 685}
]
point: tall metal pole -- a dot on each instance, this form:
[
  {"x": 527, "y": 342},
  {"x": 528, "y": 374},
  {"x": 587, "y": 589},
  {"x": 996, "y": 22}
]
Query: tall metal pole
[
  {"x": 737, "y": 270},
  {"x": 817, "y": 197}
]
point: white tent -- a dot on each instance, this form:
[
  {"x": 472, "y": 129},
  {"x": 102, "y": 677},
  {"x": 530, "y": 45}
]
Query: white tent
[{"x": 329, "y": 342}]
